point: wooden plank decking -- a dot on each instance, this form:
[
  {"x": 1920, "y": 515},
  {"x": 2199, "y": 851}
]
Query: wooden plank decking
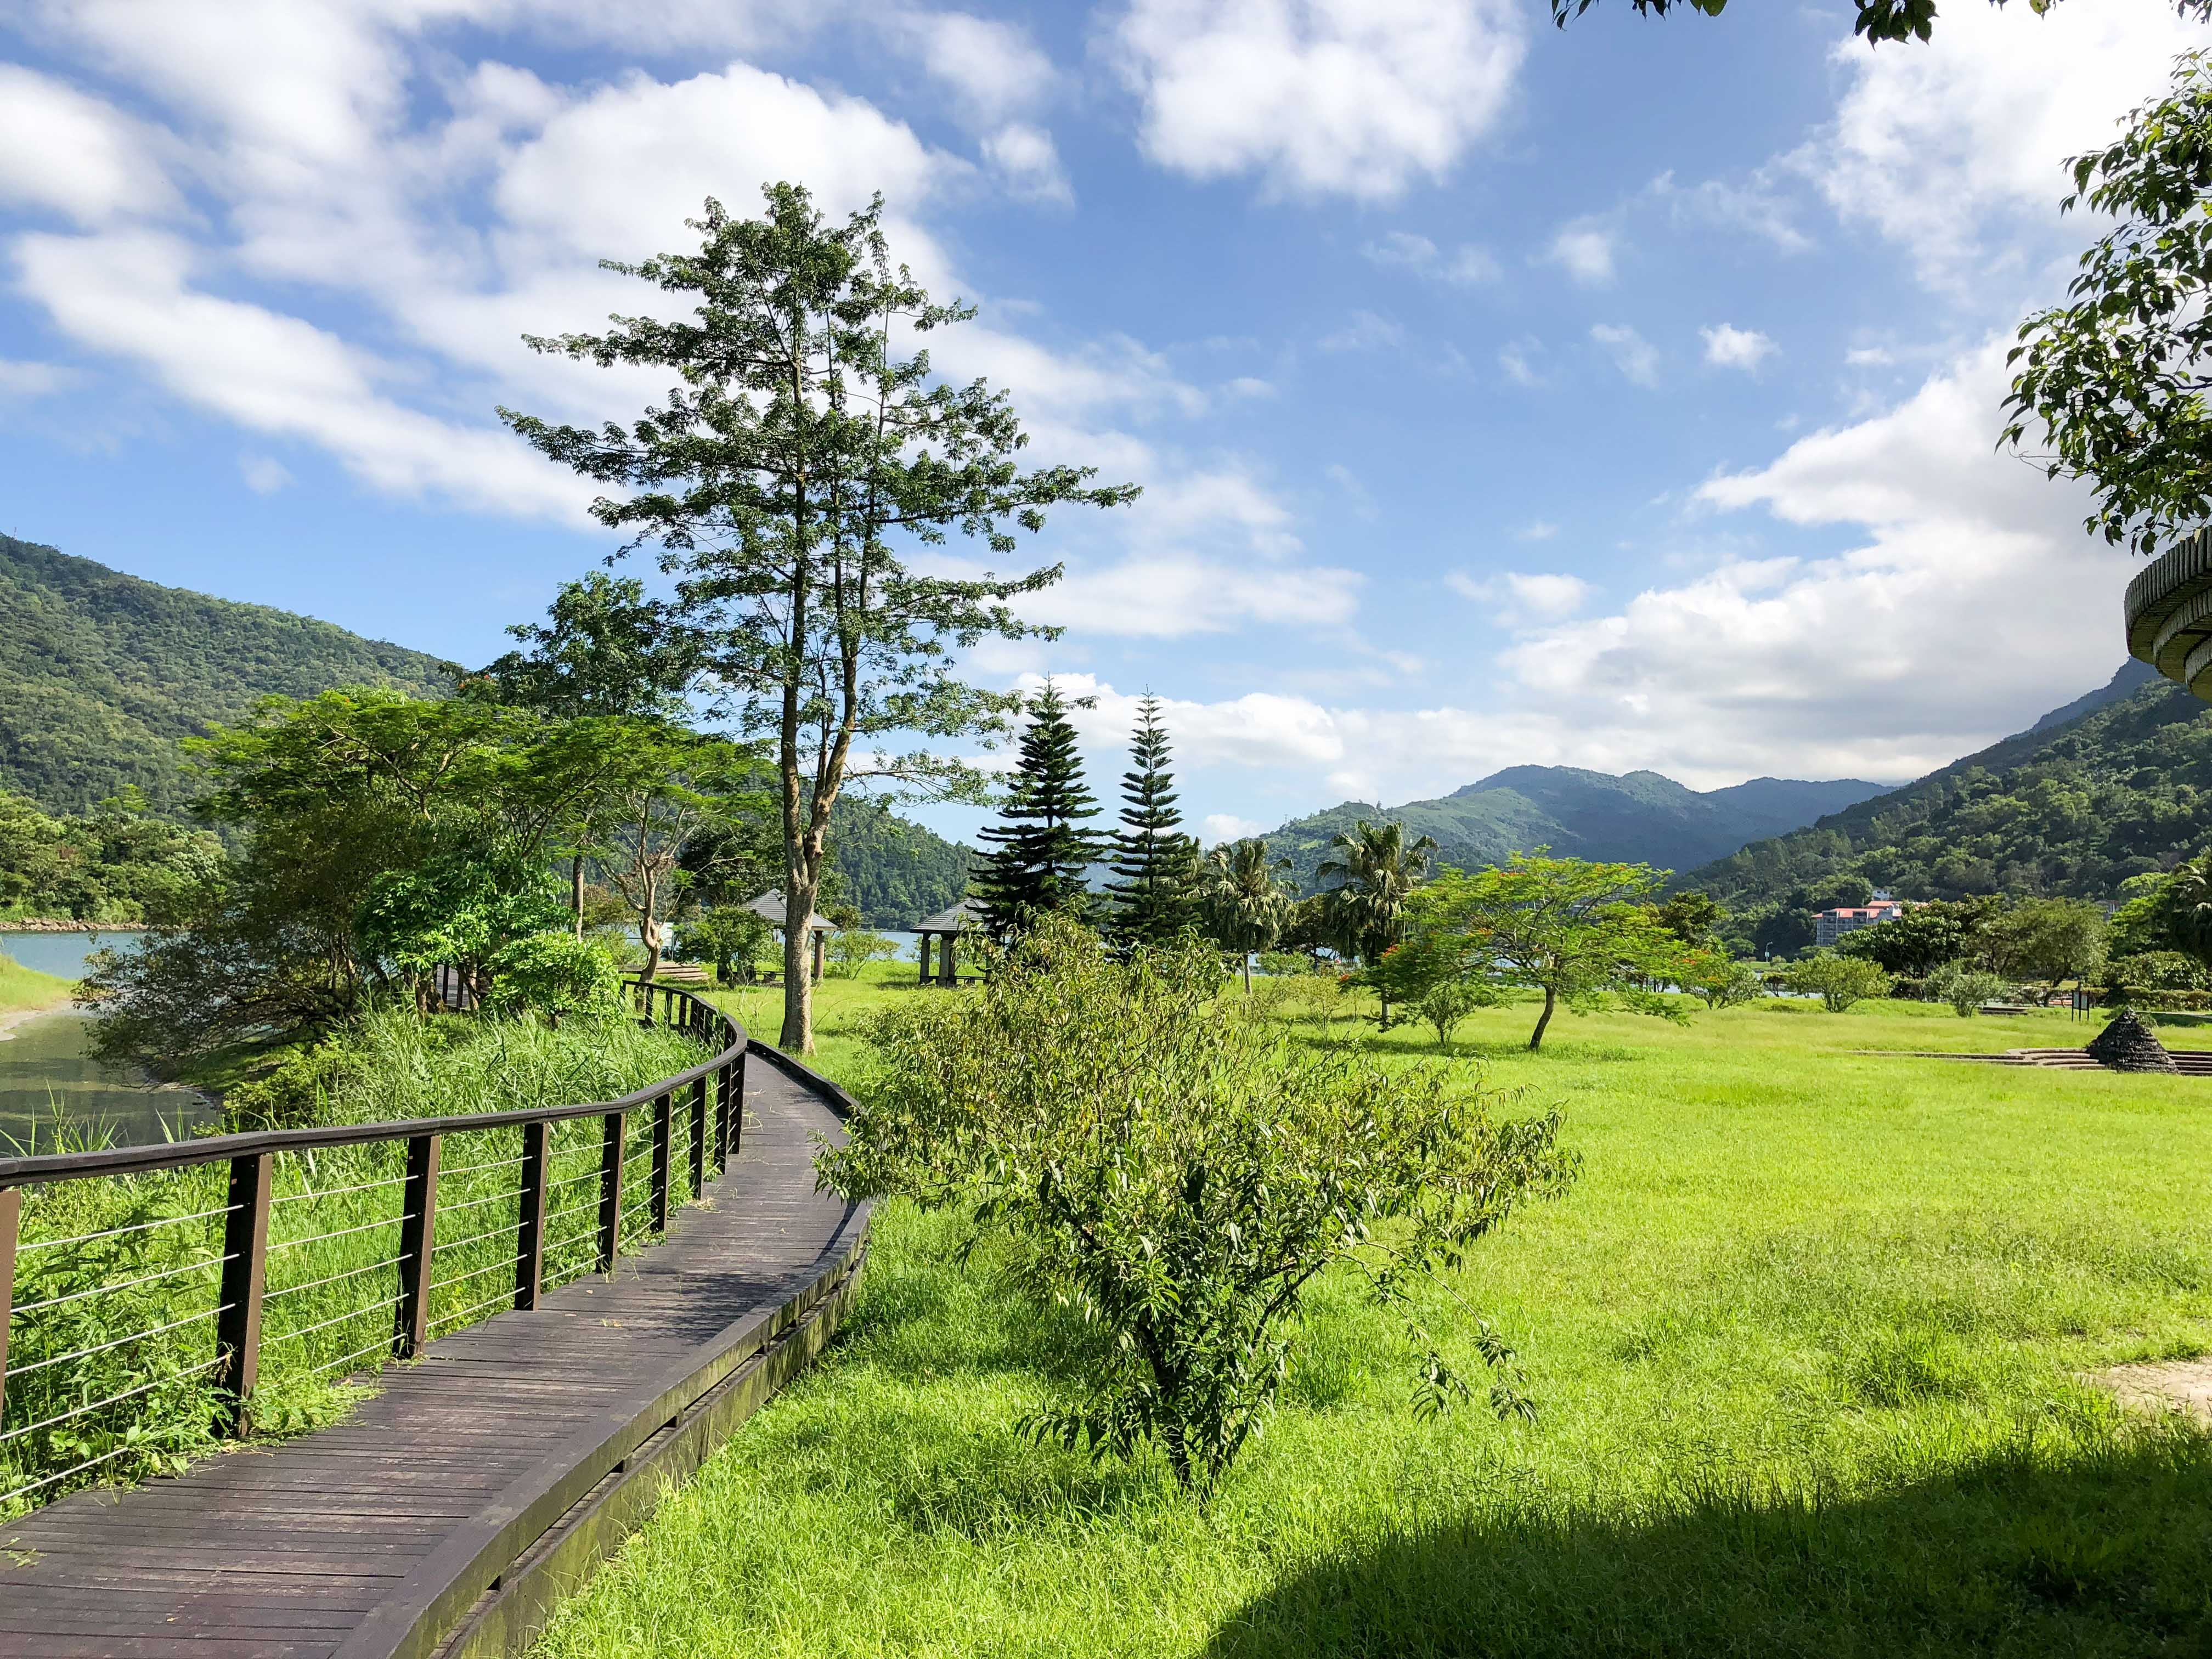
[{"x": 448, "y": 1511}]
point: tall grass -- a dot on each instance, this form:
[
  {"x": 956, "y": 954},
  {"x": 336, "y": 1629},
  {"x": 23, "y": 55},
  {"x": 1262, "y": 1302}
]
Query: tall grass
[{"x": 123, "y": 1272}]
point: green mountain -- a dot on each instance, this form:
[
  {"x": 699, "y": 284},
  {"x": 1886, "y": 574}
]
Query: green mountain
[
  {"x": 1640, "y": 818},
  {"x": 2113, "y": 785},
  {"x": 101, "y": 674}
]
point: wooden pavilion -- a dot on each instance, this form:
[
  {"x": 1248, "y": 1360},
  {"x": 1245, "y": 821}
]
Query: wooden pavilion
[
  {"x": 945, "y": 927},
  {"x": 769, "y": 907}
]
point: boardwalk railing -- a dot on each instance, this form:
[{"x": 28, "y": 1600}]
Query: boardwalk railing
[{"x": 147, "y": 1292}]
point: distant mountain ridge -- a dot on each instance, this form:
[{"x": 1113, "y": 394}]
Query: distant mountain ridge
[
  {"x": 2115, "y": 784},
  {"x": 1637, "y": 817}
]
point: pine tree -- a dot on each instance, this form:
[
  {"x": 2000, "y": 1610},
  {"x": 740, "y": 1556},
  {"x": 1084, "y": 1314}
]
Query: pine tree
[
  {"x": 1155, "y": 890},
  {"x": 1039, "y": 849}
]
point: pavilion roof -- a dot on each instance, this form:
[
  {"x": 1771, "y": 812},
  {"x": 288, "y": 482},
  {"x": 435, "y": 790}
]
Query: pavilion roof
[
  {"x": 769, "y": 907},
  {"x": 951, "y": 919}
]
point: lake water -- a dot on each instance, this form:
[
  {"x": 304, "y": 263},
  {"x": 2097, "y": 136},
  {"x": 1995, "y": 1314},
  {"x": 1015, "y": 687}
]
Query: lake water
[
  {"x": 61, "y": 953},
  {"x": 46, "y": 1077}
]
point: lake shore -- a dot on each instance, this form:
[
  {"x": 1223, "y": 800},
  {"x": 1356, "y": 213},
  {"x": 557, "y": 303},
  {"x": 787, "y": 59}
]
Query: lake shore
[
  {"x": 71, "y": 924},
  {"x": 11, "y": 1018}
]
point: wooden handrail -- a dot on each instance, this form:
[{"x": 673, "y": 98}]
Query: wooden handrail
[
  {"x": 252, "y": 1179},
  {"x": 214, "y": 1149}
]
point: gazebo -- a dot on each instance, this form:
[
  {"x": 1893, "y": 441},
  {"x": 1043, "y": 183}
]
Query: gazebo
[
  {"x": 2168, "y": 611},
  {"x": 944, "y": 926},
  {"x": 769, "y": 907}
]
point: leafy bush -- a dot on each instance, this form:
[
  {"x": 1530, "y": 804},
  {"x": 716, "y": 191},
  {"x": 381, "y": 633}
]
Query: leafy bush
[
  {"x": 1151, "y": 1158},
  {"x": 851, "y": 949},
  {"x": 1838, "y": 980},
  {"x": 1447, "y": 1004},
  {"x": 2158, "y": 970},
  {"x": 553, "y": 974},
  {"x": 1965, "y": 988},
  {"x": 1723, "y": 981}
]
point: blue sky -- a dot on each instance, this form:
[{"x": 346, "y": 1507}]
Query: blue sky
[{"x": 1618, "y": 397}]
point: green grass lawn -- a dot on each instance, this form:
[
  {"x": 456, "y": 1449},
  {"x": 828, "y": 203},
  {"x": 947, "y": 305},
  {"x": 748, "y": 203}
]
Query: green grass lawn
[
  {"x": 1806, "y": 1340},
  {"x": 25, "y": 987}
]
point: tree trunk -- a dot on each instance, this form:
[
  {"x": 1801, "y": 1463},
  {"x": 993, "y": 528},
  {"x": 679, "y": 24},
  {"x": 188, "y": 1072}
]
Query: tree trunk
[
  {"x": 1247, "y": 973},
  {"x": 799, "y": 892},
  {"x": 1536, "y": 1037},
  {"x": 576, "y": 891},
  {"x": 649, "y": 931}
]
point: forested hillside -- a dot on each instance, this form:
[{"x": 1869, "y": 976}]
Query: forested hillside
[
  {"x": 893, "y": 872},
  {"x": 1640, "y": 818},
  {"x": 2070, "y": 808},
  {"x": 101, "y": 674}
]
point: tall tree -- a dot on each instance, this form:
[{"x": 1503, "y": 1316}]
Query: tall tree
[
  {"x": 1039, "y": 849},
  {"x": 803, "y": 448},
  {"x": 1375, "y": 873},
  {"x": 1247, "y": 906},
  {"x": 2117, "y": 377},
  {"x": 1154, "y": 892}
]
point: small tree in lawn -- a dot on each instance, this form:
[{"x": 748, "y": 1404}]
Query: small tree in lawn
[
  {"x": 1582, "y": 933},
  {"x": 1039, "y": 850},
  {"x": 1157, "y": 1161},
  {"x": 1245, "y": 904},
  {"x": 1154, "y": 894},
  {"x": 684, "y": 787},
  {"x": 1376, "y": 872},
  {"x": 1840, "y": 981},
  {"x": 786, "y": 479}
]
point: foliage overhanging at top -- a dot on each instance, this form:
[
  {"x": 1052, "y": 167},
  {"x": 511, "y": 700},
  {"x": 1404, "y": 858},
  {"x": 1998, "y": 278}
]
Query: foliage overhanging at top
[
  {"x": 1878, "y": 19},
  {"x": 2116, "y": 378}
]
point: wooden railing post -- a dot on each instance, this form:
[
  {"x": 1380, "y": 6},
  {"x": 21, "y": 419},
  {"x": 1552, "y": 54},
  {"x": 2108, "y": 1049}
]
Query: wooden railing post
[
  {"x": 699, "y": 1137},
  {"x": 664, "y": 1123},
  {"x": 722, "y": 1118},
  {"x": 245, "y": 1269},
  {"x": 530, "y": 1213},
  {"x": 615, "y": 1133},
  {"x": 418, "y": 1242},
  {"x": 738, "y": 1104},
  {"x": 11, "y": 1221}
]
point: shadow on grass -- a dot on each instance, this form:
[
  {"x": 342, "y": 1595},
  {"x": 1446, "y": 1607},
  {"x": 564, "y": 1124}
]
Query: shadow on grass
[{"x": 2106, "y": 1555}]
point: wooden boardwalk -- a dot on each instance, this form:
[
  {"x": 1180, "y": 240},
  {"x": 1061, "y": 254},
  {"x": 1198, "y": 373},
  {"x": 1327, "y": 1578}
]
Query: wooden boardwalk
[{"x": 447, "y": 1514}]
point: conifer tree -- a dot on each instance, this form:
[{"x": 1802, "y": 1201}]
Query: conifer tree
[
  {"x": 1039, "y": 849},
  {"x": 1155, "y": 890}
]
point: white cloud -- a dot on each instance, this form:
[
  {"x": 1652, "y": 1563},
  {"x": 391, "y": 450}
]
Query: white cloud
[
  {"x": 1586, "y": 250},
  {"x": 1466, "y": 266},
  {"x": 1755, "y": 206},
  {"x": 1028, "y": 163},
  {"x": 1946, "y": 148},
  {"x": 1538, "y": 531},
  {"x": 23, "y": 381},
  {"x": 1729, "y": 347},
  {"x": 1218, "y": 827},
  {"x": 993, "y": 69},
  {"x": 1517, "y": 598},
  {"x": 1365, "y": 332},
  {"x": 128, "y": 294},
  {"x": 1516, "y": 359},
  {"x": 1358, "y": 98},
  {"x": 265, "y": 475},
  {"x": 63, "y": 152},
  {"x": 1636, "y": 357},
  {"x": 1176, "y": 595}
]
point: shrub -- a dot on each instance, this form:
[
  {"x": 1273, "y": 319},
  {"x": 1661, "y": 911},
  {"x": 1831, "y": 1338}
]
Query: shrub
[
  {"x": 1153, "y": 1158},
  {"x": 2157, "y": 971},
  {"x": 851, "y": 949},
  {"x": 1963, "y": 986},
  {"x": 1838, "y": 980},
  {"x": 1447, "y": 1004},
  {"x": 555, "y": 974},
  {"x": 1722, "y": 982}
]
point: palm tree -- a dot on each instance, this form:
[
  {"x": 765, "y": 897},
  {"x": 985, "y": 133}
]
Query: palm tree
[
  {"x": 2189, "y": 902},
  {"x": 1245, "y": 905},
  {"x": 1376, "y": 872}
]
